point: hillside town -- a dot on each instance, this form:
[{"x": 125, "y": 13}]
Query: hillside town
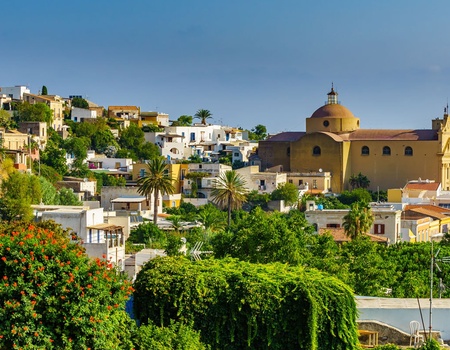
[{"x": 93, "y": 161}]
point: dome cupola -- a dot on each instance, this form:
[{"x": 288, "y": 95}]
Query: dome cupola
[{"x": 332, "y": 117}]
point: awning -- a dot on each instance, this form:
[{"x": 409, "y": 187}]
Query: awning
[{"x": 128, "y": 200}]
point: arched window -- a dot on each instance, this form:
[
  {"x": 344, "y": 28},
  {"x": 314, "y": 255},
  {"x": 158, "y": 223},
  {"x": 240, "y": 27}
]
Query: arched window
[
  {"x": 386, "y": 151},
  {"x": 365, "y": 151},
  {"x": 316, "y": 151},
  {"x": 408, "y": 151}
]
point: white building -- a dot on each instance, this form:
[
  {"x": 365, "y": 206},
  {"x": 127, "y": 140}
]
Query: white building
[
  {"x": 103, "y": 241},
  {"x": 387, "y": 219},
  {"x": 79, "y": 114},
  {"x": 241, "y": 151},
  {"x": 122, "y": 164},
  {"x": 15, "y": 92},
  {"x": 206, "y": 141},
  {"x": 203, "y": 185}
]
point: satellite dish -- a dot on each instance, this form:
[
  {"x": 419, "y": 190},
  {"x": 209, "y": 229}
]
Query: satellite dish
[{"x": 320, "y": 170}]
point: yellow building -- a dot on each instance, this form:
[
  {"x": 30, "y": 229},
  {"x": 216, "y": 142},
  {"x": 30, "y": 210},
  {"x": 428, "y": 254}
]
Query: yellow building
[
  {"x": 334, "y": 142},
  {"x": 176, "y": 171}
]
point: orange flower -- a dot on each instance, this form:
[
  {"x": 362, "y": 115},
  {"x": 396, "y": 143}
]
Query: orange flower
[{"x": 4, "y": 258}]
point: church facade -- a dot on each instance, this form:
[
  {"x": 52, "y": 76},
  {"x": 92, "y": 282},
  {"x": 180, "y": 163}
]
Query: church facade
[{"x": 335, "y": 143}]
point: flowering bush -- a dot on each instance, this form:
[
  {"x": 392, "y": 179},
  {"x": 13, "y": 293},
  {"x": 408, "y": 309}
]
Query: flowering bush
[{"x": 52, "y": 296}]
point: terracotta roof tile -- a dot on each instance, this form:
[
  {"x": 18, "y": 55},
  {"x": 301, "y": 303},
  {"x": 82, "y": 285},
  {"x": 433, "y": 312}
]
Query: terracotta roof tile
[
  {"x": 425, "y": 186},
  {"x": 287, "y": 136},
  {"x": 387, "y": 134},
  {"x": 340, "y": 236}
]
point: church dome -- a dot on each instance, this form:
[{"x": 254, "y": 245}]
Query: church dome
[
  {"x": 332, "y": 111},
  {"x": 332, "y": 117}
]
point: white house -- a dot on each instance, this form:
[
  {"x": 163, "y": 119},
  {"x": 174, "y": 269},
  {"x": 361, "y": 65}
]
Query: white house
[
  {"x": 180, "y": 142},
  {"x": 15, "y": 92},
  {"x": 79, "y": 114},
  {"x": 205, "y": 184},
  {"x": 103, "y": 241},
  {"x": 387, "y": 219}
]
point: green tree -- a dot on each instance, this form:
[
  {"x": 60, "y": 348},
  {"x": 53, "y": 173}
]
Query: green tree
[
  {"x": 38, "y": 112},
  {"x": 359, "y": 220},
  {"x": 356, "y": 195},
  {"x": 213, "y": 219},
  {"x": 183, "y": 120},
  {"x": 66, "y": 196},
  {"x": 149, "y": 234},
  {"x": 80, "y": 103},
  {"x": 258, "y": 133},
  {"x": 133, "y": 145},
  {"x": 44, "y": 90},
  {"x": 254, "y": 199},
  {"x": 156, "y": 180},
  {"x": 229, "y": 191},
  {"x": 287, "y": 192},
  {"x": 54, "y": 157},
  {"x": 359, "y": 181},
  {"x": 203, "y": 115},
  {"x": 54, "y": 296},
  {"x": 78, "y": 146},
  {"x": 5, "y": 119},
  {"x": 261, "y": 237},
  {"x": 19, "y": 192},
  {"x": 49, "y": 192}
]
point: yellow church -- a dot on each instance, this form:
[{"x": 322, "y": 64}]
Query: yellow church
[{"x": 333, "y": 142}]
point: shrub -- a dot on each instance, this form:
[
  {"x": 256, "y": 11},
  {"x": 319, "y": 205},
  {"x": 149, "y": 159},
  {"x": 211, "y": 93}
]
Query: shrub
[{"x": 52, "y": 296}]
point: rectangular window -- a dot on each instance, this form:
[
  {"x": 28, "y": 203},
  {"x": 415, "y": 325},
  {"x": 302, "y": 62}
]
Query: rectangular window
[
  {"x": 378, "y": 229},
  {"x": 290, "y": 181},
  {"x": 300, "y": 182},
  {"x": 333, "y": 225},
  {"x": 314, "y": 183},
  {"x": 192, "y": 136}
]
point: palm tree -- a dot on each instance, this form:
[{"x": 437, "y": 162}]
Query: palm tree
[
  {"x": 359, "y": 181},
  {"x": 229, "y": 191},
  {"x": 203, "y": 114},
  {"x": 359, "y": 220},
  {"x": 156, "y": 180}
]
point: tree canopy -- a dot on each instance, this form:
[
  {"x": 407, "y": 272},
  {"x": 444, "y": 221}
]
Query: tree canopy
[
  {"x": 38, "y": 112},
  {"x": 229, "y": 191},
  {"x": 80, "y": 102},
  {"x": 203, "y": 115},
  {"x": 287, "y": 192},
  {"x": 183, "y": 120},
  {"x": 258, "y": 133},
  {"x": 156, "y": 180}
]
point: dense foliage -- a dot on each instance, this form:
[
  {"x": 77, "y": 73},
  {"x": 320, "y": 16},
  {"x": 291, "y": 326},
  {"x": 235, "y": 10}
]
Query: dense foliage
[
  {"x": 177, "y": 336},
  {"x": 238, "y": 305},
  {"x": 53, "y": 296}
]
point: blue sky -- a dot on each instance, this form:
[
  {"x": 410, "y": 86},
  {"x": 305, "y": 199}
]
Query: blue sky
[{"x": 249, "y": 61}]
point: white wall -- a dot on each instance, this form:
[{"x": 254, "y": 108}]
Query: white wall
[{"x": 399, "y": 312}]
